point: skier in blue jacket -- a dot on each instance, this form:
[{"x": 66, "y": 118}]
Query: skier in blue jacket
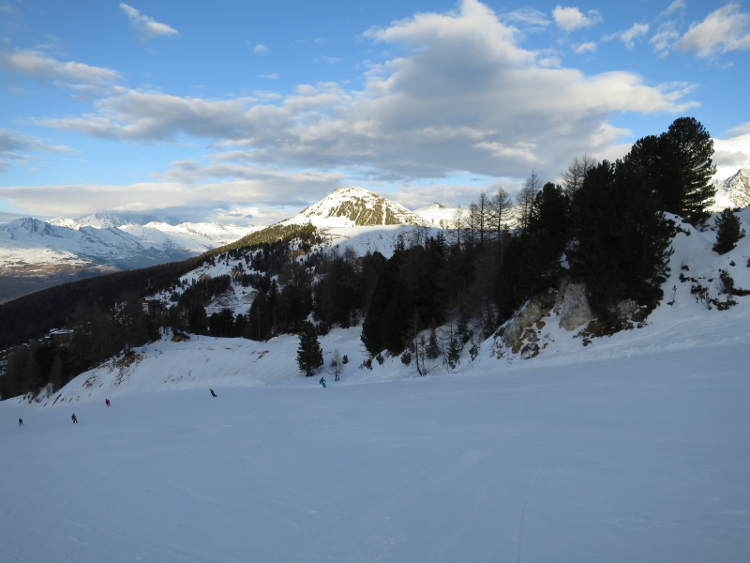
[{"x": 323, "y": 381}]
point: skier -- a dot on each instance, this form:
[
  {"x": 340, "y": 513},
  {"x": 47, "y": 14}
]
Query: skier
[
  {"x": 20, "y": 422},
  {"x": 74, "y": 418},
  {"x": 106, "y": 401},
  {"x": 212, "y": 393},
  {"x": 323, "y": 382}
]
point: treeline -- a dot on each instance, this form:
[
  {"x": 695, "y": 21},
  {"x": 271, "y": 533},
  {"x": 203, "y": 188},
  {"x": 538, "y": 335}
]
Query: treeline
[
  {"x": 96, "y": 336},
  {"x": 607, "y": 221}
]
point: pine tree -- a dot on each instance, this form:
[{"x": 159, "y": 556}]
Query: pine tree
[
  {"x": 622, "y": 239},
  {"x": 309, "y": 353},
  {"x": 695, "y": 150},
  {"x": 433, "y": 348},
  {"x": 728, "y": 231}
]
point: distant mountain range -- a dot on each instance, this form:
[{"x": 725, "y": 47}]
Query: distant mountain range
[{"x": 35, "y": 254}]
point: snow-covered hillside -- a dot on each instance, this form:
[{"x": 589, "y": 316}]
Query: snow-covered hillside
[
  {"x": 437, "y": 215},
  {"x": 638, "y": 458}
]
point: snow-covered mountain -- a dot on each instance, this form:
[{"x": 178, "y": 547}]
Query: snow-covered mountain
[
  {"x": 733, "y": 191},
  {"x": 355, "y": 207},
  {"x": 437, "y": 215},
  {"x": 96, "y": 220},
  {"x": 36, "y": 254}
]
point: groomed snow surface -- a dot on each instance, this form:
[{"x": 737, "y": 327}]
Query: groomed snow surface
[
  {"x": 633, "y": 448},
  {"x": 645, "y": 459}
]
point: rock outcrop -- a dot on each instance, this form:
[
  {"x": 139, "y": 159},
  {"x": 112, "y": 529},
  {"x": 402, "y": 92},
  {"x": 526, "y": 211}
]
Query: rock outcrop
[{"x": 575, "y": 310}]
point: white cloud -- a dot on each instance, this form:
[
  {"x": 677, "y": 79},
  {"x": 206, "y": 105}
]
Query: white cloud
[
  {"x": 664, "y": 38},
  {"x": 146, "y": 26},
  {"x": 733, "y": 151},
  {"x": 16, "y": 148},
  {"x": 571, "y": 19},
  {"x": 527, "y": 18},
  {"x": 630, "y": 35},
  {"x": 52, "y": 43},
  {"x": 466, "y": 98},
  {"x": 260, "y": 49},
  {"x": 673, "y": 7},
  {"x": 584, "y": 48},
  {"x": 331, "y": 60},
  {"x": 722, "y": 31},
  {"x": 41, "y": 65},
  {"x": 179, "y": 192},
  {"x": 273, "y": 76}
]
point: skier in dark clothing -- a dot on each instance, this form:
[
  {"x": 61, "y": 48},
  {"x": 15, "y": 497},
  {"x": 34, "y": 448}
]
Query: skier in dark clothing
[
  {"x": 106, "y": 402},
  {"x": 212, "y": 393},
  {"x": 323, "y": 382},
  {"x": 74, "y": 418},
  {"x": 20, "y": 422}
]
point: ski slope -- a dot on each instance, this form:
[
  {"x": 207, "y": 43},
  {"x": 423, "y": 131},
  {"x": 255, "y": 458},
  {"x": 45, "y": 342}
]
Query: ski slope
[{"x": 642, "y": 459}]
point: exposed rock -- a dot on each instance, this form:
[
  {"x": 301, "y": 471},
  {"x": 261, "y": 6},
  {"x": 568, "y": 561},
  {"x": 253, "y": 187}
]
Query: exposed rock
[
  {"x": 575, "y": 309},
  {"x": 627, "y": 308},
  {"x": 535, "y": 309}
]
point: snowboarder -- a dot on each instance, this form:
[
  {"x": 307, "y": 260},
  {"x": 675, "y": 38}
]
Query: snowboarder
[
  {"x": 74, "y": 418},
  {"x": 20, "y": 422},
  {"x": 323, "y": 382},
  {"x": 106, "y": 401},
  {"x": 212, "y": 393}
]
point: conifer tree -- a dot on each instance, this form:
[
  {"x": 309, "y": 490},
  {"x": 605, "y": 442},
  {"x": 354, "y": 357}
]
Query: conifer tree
[
  {"x": 728, "y": 231},
  {"x": 695, "y": 150},
  {"x": 433, "y": 348},
  {"x": 621, "y": 237},
  {"x": 309, "y": 353}
]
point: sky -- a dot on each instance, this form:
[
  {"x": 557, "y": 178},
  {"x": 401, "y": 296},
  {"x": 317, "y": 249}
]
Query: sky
[{"x": 246, "y": 112}]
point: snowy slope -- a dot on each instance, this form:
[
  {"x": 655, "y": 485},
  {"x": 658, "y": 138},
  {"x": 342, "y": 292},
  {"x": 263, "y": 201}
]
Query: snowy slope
[
  {"x": 733, "y": 191},
  {"x": 642, "y": 459},
  {"x": 438, "y": 215}
]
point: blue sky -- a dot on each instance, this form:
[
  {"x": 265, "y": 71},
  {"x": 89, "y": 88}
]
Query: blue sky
[{"x": 247, "y": 111}]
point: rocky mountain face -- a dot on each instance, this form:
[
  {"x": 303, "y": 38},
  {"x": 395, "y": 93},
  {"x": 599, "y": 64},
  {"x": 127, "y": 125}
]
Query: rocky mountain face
[
  {"x": 356, "y": 207},
  {"x": 733, "y": 191}
]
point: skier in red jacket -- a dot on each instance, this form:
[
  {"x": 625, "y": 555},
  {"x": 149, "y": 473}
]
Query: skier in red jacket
[{"x": 106, "y": 401}]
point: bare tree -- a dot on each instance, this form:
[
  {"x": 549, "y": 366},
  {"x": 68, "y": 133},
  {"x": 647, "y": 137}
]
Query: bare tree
[
  {"x": 526, "y": 197},
  {"x": 576, "y": 172},
  {"x": 337, "y": 364},
  {"x": 459, "y": 223},
  {"x": 500, "y": 208},
  {"x": 483, "y": 206},
  {"x": 472, "y": 223}
]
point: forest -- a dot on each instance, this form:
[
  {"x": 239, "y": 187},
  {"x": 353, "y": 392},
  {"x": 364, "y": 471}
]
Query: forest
[{"x": 605, "y": 225}]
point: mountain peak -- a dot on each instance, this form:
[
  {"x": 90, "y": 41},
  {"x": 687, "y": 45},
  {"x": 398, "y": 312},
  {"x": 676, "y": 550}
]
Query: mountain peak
[
  {"x": 733, "y": 191},
  {"x": 96, "y": 220},
  {"x": 350, "y": 207}
]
